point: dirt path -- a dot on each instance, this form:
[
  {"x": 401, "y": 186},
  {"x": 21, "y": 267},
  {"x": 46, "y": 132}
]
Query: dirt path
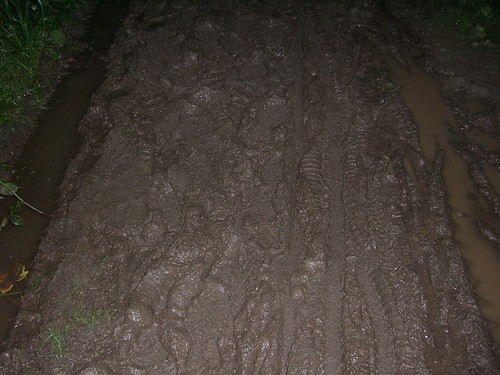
[{"x": 252, "y": 198}]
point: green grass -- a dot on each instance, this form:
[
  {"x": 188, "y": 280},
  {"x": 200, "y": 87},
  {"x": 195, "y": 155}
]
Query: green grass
[
  {"x": 55, "y": 339},
  {"x": 30, "y": 30},
  {"x": 81, "y": 318},
  {"x": 90, "y": 319}
]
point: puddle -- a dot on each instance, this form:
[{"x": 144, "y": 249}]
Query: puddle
[
  {"x": 41, "y": 166},
  {"x": 423, "y": 97}
]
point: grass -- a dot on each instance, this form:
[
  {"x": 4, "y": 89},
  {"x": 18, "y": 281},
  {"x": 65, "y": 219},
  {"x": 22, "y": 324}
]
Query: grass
[
  {"x": 30, "y": 30},
  {"x": 81, "y": 318},
  {"x": 90, "y": 319},
  {"x": 55, "y": 339}
]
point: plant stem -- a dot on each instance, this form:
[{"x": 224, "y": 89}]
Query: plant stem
[{"x": 21, "y": 199}]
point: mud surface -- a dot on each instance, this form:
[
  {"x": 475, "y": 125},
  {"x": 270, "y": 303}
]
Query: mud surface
[{"x": 256, "y": 194}]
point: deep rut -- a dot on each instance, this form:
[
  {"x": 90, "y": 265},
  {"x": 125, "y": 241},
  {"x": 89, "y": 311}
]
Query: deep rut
[{"x": 252, "y": 199}]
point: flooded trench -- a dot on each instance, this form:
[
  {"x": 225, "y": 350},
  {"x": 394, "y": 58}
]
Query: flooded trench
[
  {"x": 258, "y": 201},
  {"x": 40, "y": 168}
]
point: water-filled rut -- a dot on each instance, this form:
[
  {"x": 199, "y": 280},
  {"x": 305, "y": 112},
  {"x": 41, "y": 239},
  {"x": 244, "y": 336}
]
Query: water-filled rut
[
  {"x": 252, "y": 198},
  {"x": 46, "y": 155},
  {"x": 423, "y": 97}
]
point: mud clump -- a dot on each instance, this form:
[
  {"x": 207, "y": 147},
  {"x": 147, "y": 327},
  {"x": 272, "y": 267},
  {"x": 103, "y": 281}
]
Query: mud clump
[{"x": 252, "y": 198}]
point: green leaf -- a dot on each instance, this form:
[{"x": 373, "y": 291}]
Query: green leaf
[
  {"x": 7, "y": 188},
  {"x": 16, "y": 220},
  {"x": 57, "y": 37},
  {"x": 16, "y": 208},
  {"x": 4, "y": 223},
  {"x": 486, "y": 11}
]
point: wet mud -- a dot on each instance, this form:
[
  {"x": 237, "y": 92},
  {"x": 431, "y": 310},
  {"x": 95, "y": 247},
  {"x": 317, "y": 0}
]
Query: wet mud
[{"x": 259, "y": 192}]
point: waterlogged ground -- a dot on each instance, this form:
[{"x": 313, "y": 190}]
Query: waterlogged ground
[{"x": 271, "y": 189}]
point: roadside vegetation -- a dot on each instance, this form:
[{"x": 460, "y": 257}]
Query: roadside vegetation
[
  {"x": 477, "y": 20},
  {"x": 31, "y": 31}
]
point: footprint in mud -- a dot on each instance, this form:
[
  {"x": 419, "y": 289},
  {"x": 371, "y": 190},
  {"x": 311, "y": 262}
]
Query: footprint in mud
[
  {"x": 156, "y": 318},
  {"x": 172, "y": 330},
  {"x": 138, "y": 348}
]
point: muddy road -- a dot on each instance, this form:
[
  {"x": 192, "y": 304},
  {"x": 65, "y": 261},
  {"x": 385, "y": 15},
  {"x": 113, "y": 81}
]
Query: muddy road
[{"x": 267, "y": 188}]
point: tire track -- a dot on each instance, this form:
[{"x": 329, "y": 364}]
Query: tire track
[{"x": 316, "y": 280}]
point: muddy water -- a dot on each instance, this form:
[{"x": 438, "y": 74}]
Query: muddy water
[
  {"x": 423, "y": 95},
  {"x": 40, "y": 168},
  {"x": 256, "y": 202}
]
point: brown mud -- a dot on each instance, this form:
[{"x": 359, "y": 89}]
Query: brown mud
[{"x": 267, "y": 188}]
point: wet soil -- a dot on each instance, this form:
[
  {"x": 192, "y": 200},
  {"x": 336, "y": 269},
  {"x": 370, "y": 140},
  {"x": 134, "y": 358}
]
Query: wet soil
[
  {"x": 54, "y": 142},
  {"x": 267, "y": 188}
]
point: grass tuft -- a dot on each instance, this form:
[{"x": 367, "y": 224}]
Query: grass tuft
[
  {"x": 90, "y": 319},
  {"x": 55, "y": 339},
  {"x": 81, "y": 320},
  {"x": 30, "y": 30}
]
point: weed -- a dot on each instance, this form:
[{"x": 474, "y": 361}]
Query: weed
[
  {"x": 23, "y": 36},
  {"x": 8, "y": 189},
  {"x": 81, "y": 318},
  {"x": 477, "y": 19},
  {"x": 425, "y": 232},
  {"x": 55, "y": 338},
  {"x": 29, "y": 31},
  {"x": 90, "y": 319},
  {"x": 22, "y": 43}
]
